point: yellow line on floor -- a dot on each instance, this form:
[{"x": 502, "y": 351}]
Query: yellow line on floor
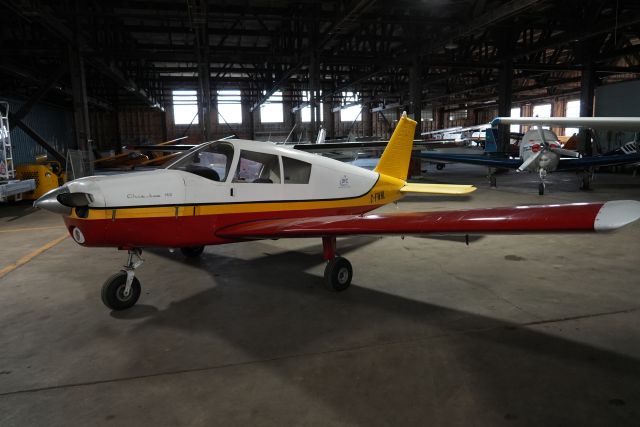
[
  {"x": 25, "y": 259},
  {"x": 17, "y": 230}
]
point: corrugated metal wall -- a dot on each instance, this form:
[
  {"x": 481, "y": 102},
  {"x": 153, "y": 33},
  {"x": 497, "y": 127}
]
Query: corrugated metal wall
[
  {"x": 129, "y": 126},
  {"x": 616, "y": 100},
  {"x": 54, "y": 124}
]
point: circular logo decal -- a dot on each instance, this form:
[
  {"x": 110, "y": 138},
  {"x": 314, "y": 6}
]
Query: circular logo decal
[{"x": 77, "y": 235}]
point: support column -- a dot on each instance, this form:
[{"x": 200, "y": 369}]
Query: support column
[
  {"x": 505, "y": 92},
  {"x": 329, "y": 119},
  {"x": 289, "y": 118},
  {"x": 314, "y": 70},
  {"x": 415, "y": 87},
  {"x": 587, "y": 90},
  {"x": 439, "y": 118},
  {"x": 80, "y": 105},
  {"x": 248, "y": 116},
  {"x": 204, "y": 100},
  {"x": 314, "y": 93},
  {"x": 367, "y": 116}
]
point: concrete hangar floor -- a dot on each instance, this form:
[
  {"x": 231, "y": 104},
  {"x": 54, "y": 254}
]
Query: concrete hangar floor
[{"x": 511, "y": 330}]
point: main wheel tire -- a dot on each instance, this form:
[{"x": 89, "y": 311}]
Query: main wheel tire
[
  {"x": 492, "y": 181},
  {"x": 440, "y": 166},
  {"x": 113, "y": 292},
  {"x": 338, "y": 274},
  {"x": 541, "y": 189},
  {"x": 192, "y": 251}
]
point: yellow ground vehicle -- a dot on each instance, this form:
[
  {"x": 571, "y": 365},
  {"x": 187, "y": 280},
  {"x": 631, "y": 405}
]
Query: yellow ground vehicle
[{"x": 48, "y": 175}]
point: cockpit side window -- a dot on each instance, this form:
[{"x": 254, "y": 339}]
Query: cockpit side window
[
  {"x": 295, "y": 171},
  {"x": 260, "y": 168},
  {"x": 211, "y": 162}
]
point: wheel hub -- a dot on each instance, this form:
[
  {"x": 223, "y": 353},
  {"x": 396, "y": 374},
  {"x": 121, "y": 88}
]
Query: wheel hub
[
  {"x": 122, "y": 295},
  {"x": 343, "y": 275}
]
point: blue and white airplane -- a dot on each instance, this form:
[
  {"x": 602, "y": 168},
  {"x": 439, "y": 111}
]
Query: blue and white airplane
[{"x": 541, "y": 151}]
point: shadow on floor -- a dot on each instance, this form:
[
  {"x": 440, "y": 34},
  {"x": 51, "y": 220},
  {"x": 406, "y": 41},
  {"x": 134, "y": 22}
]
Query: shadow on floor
[{"x": 371, "y": 354}]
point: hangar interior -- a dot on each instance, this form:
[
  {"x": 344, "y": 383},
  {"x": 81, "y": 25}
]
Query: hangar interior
[{"x": 502, "y": 330}]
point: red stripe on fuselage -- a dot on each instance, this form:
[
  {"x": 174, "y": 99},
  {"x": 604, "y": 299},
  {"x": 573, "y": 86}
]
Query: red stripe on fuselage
[{"x": 182, "y": 231}]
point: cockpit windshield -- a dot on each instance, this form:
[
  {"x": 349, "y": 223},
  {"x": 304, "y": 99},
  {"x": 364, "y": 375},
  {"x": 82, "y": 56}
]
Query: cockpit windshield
[{"x": 211, "y": 161}]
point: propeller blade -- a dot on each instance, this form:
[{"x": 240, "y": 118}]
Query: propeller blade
[
  {"x": 530, "y": 160},
  {"x": 567, "y": 153}
]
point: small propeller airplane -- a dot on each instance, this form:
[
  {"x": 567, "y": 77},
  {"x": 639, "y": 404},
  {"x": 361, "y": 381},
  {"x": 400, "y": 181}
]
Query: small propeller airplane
[
  {"x": 235, "y": 190},
  {"x": 541, "y": 151}
]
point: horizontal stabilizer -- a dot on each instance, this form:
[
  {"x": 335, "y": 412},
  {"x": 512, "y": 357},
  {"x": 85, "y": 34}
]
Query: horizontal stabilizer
[
  {"x": 576, "y": 217},
  {"x": 437, "y": 188}
]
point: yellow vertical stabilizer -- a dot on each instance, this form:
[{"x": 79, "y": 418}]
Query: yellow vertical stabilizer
[{"x": 395, "y": 158}]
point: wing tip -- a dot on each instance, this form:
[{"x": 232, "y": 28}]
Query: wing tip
[{"x": 616, "y": 214}]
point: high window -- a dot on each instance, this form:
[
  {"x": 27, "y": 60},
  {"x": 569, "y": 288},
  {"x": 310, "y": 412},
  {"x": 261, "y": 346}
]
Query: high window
[
  {"x": 185, "y": 107},
  {"x": 515, "y": 112},
  {"x": 573, "y": 110},
  {"x": 229, "y": 106},
  {"x": 458, "y": 115},
  {"x": 542, "y": 110},
  {"x": 271, "y": 109},
  {"x": 351, "y": 113}
]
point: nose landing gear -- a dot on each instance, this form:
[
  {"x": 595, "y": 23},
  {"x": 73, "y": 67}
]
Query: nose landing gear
[
  {"x": 122, "y": 290},
  {"x": 541, "y": 186}
]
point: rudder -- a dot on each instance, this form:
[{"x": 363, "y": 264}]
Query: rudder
[{"x": 396, "y": 156}]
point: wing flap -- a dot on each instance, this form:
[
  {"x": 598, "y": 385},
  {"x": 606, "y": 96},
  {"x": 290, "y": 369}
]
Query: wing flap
[
  {"x": 437, "y": 188},
  {"x": 520, "y": 219}
]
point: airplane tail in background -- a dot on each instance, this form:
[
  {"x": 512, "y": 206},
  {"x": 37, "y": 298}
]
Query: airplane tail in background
[
  {"x": 491, "y": 140},
  {"x": 395, "y": 158}
]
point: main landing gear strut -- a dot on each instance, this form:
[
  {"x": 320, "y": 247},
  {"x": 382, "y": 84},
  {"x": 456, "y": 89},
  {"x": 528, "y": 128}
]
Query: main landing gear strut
[
  {"x": 491, "y": 176},
  {"x": 122, "y": 290},
  {"x": 338, "y": 272},
  {"x": 586, "y": 179}
]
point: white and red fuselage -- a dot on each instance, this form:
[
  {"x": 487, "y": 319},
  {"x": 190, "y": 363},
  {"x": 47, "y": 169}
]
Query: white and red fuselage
[{"x": 179, "y": 206}]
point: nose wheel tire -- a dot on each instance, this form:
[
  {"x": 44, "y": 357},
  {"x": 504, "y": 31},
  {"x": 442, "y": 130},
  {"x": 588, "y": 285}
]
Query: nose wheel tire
[
  {"x": 192, "y": 251},
  {"x": 113, "y": 292},
  {"x": 338, "y": 274},
  {"x": 541, "y": 189}
]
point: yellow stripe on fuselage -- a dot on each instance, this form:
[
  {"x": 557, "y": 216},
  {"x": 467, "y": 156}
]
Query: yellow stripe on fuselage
[{"x": 386, "y": 190}]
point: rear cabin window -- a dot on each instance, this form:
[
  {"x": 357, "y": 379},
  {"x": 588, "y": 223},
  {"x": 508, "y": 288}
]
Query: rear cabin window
[
  {"x": 212, "y": 162},
  {"x": 295, "y": 171},
  {"x": 260, "y": 168}
]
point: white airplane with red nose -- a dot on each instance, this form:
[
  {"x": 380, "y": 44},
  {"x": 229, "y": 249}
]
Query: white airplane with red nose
[{"x": 230, "y": 191}]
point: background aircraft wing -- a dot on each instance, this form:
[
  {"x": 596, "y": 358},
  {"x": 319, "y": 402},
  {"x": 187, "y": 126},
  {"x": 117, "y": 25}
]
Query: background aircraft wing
[
  {"x": 627, "y": 123},
  {"x": 494, "y": 162},
  {"x": 519, "y": 219},
  {"x": 163, "y": 148},
  {"x": 587, "y": 162}
]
